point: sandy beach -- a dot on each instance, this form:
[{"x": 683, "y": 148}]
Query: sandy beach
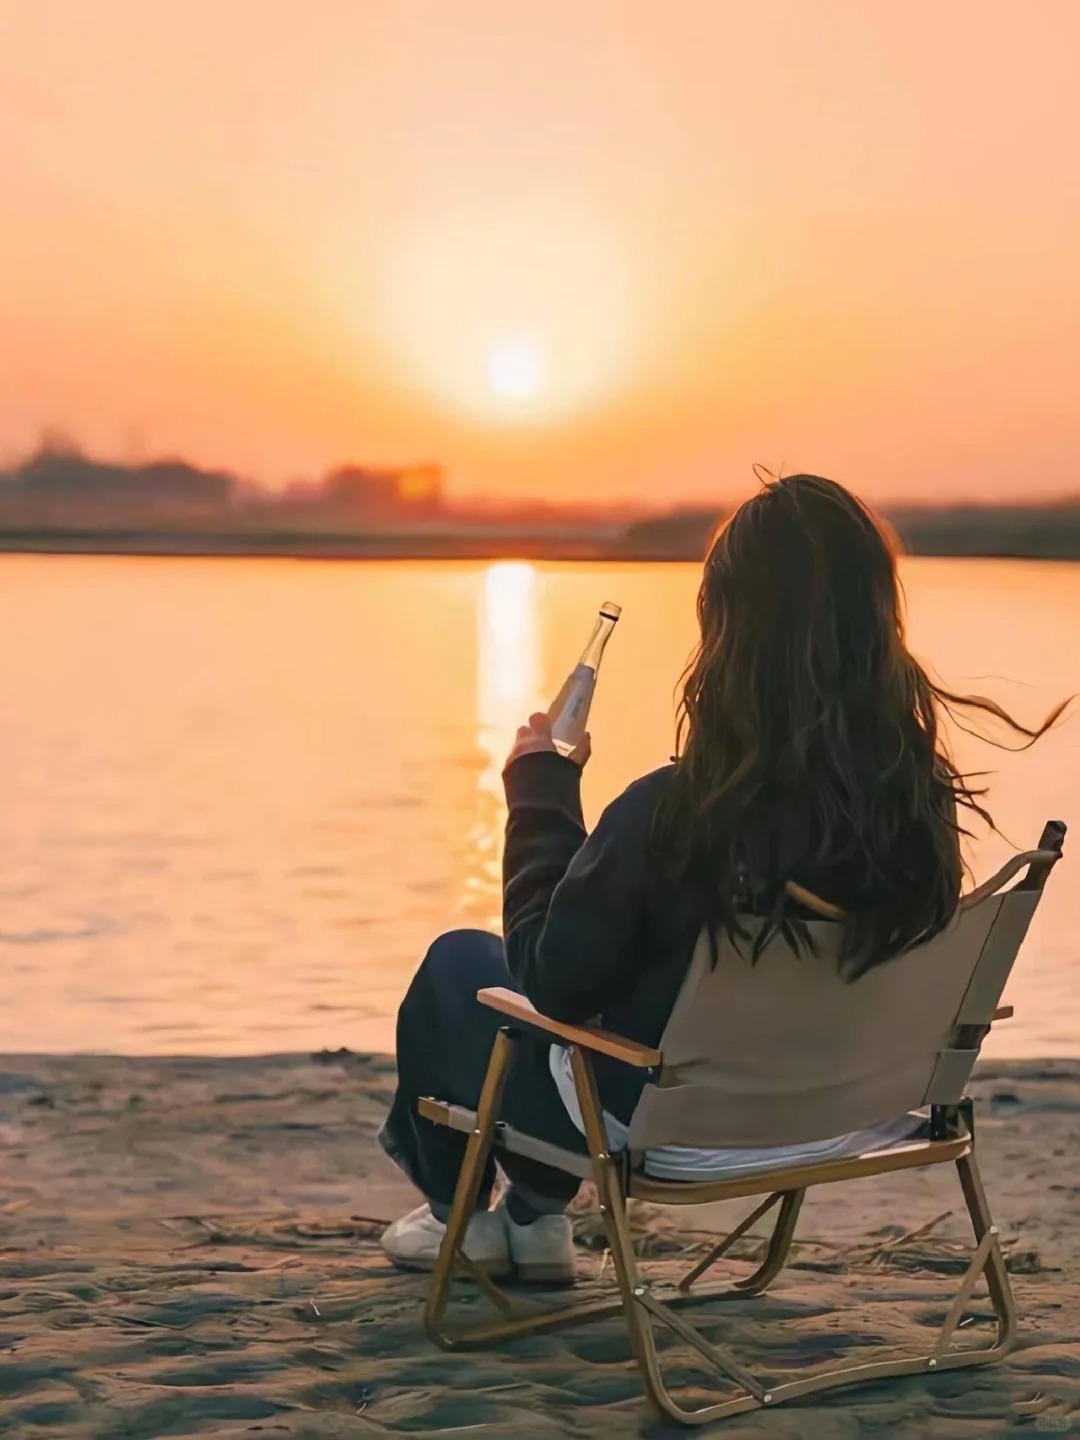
[{"x": 189, "y": 1248}]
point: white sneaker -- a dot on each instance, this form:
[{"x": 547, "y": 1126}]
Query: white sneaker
[
  {"x": 413, "y": 1242},
  {"x": 543, "y": 1252}
]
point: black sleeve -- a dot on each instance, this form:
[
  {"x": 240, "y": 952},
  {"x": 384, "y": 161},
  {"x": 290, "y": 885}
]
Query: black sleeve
[{"x": 572, "y": 906}]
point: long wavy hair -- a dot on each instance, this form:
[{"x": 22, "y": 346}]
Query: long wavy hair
[{"x": 809, "y": 746}]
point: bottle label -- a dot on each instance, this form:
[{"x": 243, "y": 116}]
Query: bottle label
[{"x": 569, "y": 723}]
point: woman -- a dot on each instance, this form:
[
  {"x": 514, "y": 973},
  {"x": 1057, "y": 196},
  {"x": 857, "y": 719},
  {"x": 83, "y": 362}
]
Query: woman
[{"x": 809, "y": 752}]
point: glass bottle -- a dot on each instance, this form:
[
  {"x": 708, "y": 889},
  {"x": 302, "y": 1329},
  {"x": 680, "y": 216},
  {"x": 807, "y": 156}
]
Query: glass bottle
[{"x": 569, "y": 712}]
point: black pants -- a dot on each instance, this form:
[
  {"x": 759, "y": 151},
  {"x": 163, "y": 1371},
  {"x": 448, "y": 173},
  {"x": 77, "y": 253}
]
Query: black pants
[{"x": 444, "y": 1040}]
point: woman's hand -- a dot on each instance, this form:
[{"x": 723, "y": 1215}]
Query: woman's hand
[{"x": 536, "y": 736}]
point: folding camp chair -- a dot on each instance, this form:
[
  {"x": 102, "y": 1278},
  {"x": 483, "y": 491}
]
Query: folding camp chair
[{"x": 770, "y": 1054}]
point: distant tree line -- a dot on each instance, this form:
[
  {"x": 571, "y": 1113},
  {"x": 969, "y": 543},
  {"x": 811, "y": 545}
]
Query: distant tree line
[
  {"x": 1046, "y": 531},
  {"x": 59, "y": 491},
  {"x": 59, "y": 488}
]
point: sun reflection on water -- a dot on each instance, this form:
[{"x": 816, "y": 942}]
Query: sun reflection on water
[{"x": 507, "y": 692}]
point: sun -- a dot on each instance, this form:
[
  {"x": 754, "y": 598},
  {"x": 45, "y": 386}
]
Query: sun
[
  {"x": 516, "y": 367},
  {"x": 513, "y": 314}
]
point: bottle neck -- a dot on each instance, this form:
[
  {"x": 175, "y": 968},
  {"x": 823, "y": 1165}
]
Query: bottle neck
[{"x": 601, "y": 634}]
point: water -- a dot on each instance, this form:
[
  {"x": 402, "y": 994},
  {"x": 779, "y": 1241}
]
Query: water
[{"x": 240, "y": 797}]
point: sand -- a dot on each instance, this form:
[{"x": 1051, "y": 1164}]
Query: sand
[{"x": 189, "y": 1248}]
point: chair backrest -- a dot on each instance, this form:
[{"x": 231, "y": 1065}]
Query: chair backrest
[{"x": 785, "y": 1051}]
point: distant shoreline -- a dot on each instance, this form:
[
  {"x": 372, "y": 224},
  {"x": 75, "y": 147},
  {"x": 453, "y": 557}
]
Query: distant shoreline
[
  {"x": 60, "y": 501},
  {"x": 422, "y": 546}
]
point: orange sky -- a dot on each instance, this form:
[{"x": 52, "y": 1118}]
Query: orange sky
[{"x": 833, "y": 236}]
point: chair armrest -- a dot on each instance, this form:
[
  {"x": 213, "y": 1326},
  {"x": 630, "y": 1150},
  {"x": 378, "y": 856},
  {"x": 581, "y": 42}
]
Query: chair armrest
[
  {"x": 1003, "y": 1012},
  {"x": 509, "y": 1002}
]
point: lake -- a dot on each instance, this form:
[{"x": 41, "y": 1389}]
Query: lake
[{"x": 241, "y": 796}]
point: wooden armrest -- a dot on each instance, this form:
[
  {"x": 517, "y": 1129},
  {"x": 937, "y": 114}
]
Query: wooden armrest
[
  {"x": 1003, "y": 1012},
  {"x": 509, "y": 1002}
]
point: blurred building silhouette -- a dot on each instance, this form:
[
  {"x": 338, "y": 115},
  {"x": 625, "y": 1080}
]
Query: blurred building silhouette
[{"x": 363, "y": 498}]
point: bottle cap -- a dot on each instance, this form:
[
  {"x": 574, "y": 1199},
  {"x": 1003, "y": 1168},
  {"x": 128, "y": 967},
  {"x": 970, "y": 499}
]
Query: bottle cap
[{"x": 610, "y": 610}]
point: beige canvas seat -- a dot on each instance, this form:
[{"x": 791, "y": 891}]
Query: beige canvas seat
[{"x": 774, "y": 1054}]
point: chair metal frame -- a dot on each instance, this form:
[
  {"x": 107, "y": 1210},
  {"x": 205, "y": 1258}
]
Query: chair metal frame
[{"x": 952, "y": 1141}]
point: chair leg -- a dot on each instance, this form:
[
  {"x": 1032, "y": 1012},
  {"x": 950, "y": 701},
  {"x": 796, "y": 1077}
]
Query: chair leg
[
  {"x": 477, "y": 1151},
  {"x": 997, "y": 1276},
  {"x": 451, "y": 1256},
  {"x": 637, "y": 1303},
  {"x": 694, "y": 1274},
  {"x": 641, "y": 1307},
  {"x": 612, "y": 1208},
  {"x": 776, "y": 1251},
  {"x": 778, "y": 1248}
]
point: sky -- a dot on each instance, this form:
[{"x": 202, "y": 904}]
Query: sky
[{"x": 570, "y": 249}]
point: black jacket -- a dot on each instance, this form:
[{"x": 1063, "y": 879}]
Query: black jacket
[{"x": 588, "y": 932}]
